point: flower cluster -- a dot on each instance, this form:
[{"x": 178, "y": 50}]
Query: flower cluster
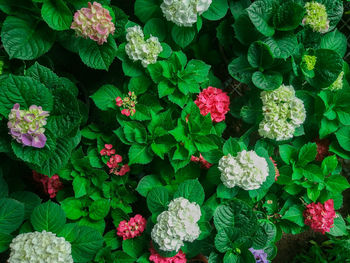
[
  {"x": 322, "y": 149},
  {"x": 180, "y": 257},
  {"x": 316, "y": 17},
  {"x": 138, "y": 48},
  {"x": 51, "y": 185},
  {"x": 114, "y": 162},
  {"x": 277, "y": 172},
  {"x": 133, "y": 228},
  {"x": 177, "y": 224},
  {"x": 259, "y": 255},
  {"x": 40, "y": 247},
  {"x": 320, "y": 217},
  {"x": 309, "y": 61},
  {"x": 338, "y": 83},
  {"x": 184, "y": 13},
  {"x": 128, "y": 103},
  {"x": 283, "y": 113},
  {"x": 27, "y": 126},
  {"x": 213, "y": 101},
  {"x": 94, "y": 22},
  {"x": 204, "y": 163},
  {"x": 248, "y": 170}
]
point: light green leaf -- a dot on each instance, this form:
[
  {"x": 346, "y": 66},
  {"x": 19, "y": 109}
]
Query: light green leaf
[
  {"x": 140, "y": 154},
  {"x": 99, "y": 209},
  {"x": 105, "y": 96},
  {"x": 147, "y": 183},
  {"x": 295, "y": 215},
  {"x": 157, "y": 199}
]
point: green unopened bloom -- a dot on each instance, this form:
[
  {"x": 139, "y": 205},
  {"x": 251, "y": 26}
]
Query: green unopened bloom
[
  {"x": 309, "y": 61},
  {"x": 338, "y": 83},
  {"x": 316, "y": 17}
]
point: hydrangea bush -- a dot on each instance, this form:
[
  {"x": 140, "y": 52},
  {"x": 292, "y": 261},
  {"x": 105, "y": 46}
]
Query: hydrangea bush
[{"x": 171, "y": 130}]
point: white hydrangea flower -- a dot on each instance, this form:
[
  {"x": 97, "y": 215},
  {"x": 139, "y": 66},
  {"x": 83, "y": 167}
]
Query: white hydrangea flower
[
  {"x": 177, "y": 225},
  {"x": 138, "y": 48},
  {"x": 283, "y": 113},
  {"x": 184, "y": 12},
  {"x": 39, "y": 247},
  {"x": 316, "y": 17},
  {"x": 248, "y": 170}
]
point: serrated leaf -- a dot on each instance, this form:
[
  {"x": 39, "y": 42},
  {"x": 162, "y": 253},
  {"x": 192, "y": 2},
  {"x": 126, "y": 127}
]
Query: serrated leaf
[
  {"x": 147, "y": 183},
  {"x": 183, "y": 36},
  {"x": 56, "y": 14},
  {"x": 282, "y": 45},
  {"x": 268, "y": 80},
  {"x": 217, "y": 10},
  {"x": 11, "y": 215},
  {"x": 260, "y": 13},
  {"x": 192, "y": 190},
  {"x": 48, "y": 216},
  {"x": 157, "y": 199},
  {"x": 140, "y": 154}
]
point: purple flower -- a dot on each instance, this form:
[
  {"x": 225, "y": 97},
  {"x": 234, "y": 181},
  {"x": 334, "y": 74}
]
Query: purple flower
[
  {"x": 260, "y": 255},
  {"x": 27, "y": 126}
]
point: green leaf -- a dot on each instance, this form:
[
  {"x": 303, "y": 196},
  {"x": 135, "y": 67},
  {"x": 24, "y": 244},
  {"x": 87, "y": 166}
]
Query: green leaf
[
  {"x": 329, "y": 164},
  {"x": 98, "y": 56},
  {"x": 25, "y": 91},
  {"x": 288, "y": 16},
  {"x": 99, "y": 209},
  {"x": 245, "y": 31},
  {"x": 112, "y": 240},
  {"x": 313, "y": 193},
  {"x": 56, "y": 14},
  {"x": 4, "y": 191},
  {"x": 139, "y": 84},
  {"x": 282, "y": 45},
  {"x": 337, "y": 184},
  {"x": 231, "y": 146},
  {"x": 307, "y": 154},
  {"x": 343, "y": 137},
  {"x": 295, "y": 215},
  {"x": 260, "y": 55},
  {"x": 80, "y": 186},
  {"x": 260, "y": 13},
  {"x": 97, "y": 225},
  {"x": 217, "y": 10},
  {"x": 241, "y": 70},
  {"x": 230, "y": 257},
  {"x": 226, "y": 193},
  {"x": 335, "y": 41},
  {"x": 140, "y": 154},
  {"x": 204, "y": 143},
  {"x": 265, "y": 235},
  {"x": 288, "y": 153},
  {"x": 224, "y": 217},
  {"x": 147, "y": 183},
  {"x": 11, "y": 215},
  {"x": 29, "y": 199},
  {"x": 268, "y": 80},
  {"x": 134, "y": 246},
  {"x": 155, "y": 27},
  {"x": 222, "y": 241},
  {"x": 145, "y": 9},
  {"x": 26, "y": 39},
  {"x": 48, "y": 216},
  {"x": 135, "y": 132},
  {"x": 183, "y": 36},
  {"x": 344, "y": 117},
  {"x": 157, "y": 199},
  {"x": 105, "y": 96},
  {"x": 5, "y": 240},
  {"x": 196, "y": 70},
  {"x": 192, "y": 190},
  {"x": 339, "y": 227},
  {"x": 73, "y": 208}
]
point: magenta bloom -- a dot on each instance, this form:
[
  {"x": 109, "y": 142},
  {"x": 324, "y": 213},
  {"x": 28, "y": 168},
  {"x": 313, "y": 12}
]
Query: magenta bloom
[
  {"x": 27, "y": 126},
  {"x": 94, "y": 22},
  {"x": 320, "y": 217},
  {"x": 51, "y": 185},
  {"x": 213, "y": 101},
  {"x": 180, "y": 257},
  {"x": 260, "y": 255},
  {"x": 133, "y": 228}
]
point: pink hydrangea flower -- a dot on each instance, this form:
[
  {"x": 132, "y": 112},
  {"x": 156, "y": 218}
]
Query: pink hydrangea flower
[
  {"x": 204, "y": 163},
  {"x": 180, "y": 257},
  {"x": 125, "y": 169},
  {"x": 108, "y": 150},
  {"x": 94, "y": 22},
  {"x": 213, "y": 101},
  {"x": 133, "y": 228},
  {"x": 320, "y": 217},
  {"x": 51, "y": 185}
]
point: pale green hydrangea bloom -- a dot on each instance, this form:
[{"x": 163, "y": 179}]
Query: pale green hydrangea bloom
[
  {"x": 316, "y": 17},
  {"x": 338, "y": 83},
  {"x": 177, "y": 224},
  {"x": 309, "y": 61},
  {"x": 247, "y": 170},
  {"x": 283, "y": 113},
  {"x": 138, "y": 48},
  {"x": 37, "y": 247}
]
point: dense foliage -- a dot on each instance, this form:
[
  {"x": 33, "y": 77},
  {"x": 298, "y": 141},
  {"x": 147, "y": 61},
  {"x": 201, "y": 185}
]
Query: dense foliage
[{"x": 171, "y": 130}]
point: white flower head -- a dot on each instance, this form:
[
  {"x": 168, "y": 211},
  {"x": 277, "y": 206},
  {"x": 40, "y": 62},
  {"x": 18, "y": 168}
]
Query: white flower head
[
  {"x": 38, "y": 247},
  {"x": 247, "y": 170},
  {"x": 184, "y": 12},
  {"x": 177, "y": 225},
  {"x": 138, "y": 48},
  {"x": 283, "y": 113}
]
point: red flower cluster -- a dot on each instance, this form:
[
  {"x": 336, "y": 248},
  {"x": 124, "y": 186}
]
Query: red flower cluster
[
  {"x": 114, "y": 162},
  {"x": 213, "y": 101},
  {"x": 277, "y": 173},
  {"x": 128, "y": 103},
  {"x": 180, "y": 257},
  {"x": 320, "y": 217},
  {"x": 204, "y": 163},
  {"x": 51, "y": 185},
  {"x": 133, "y": 228},
  {"x": 322, "y": 149}
]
